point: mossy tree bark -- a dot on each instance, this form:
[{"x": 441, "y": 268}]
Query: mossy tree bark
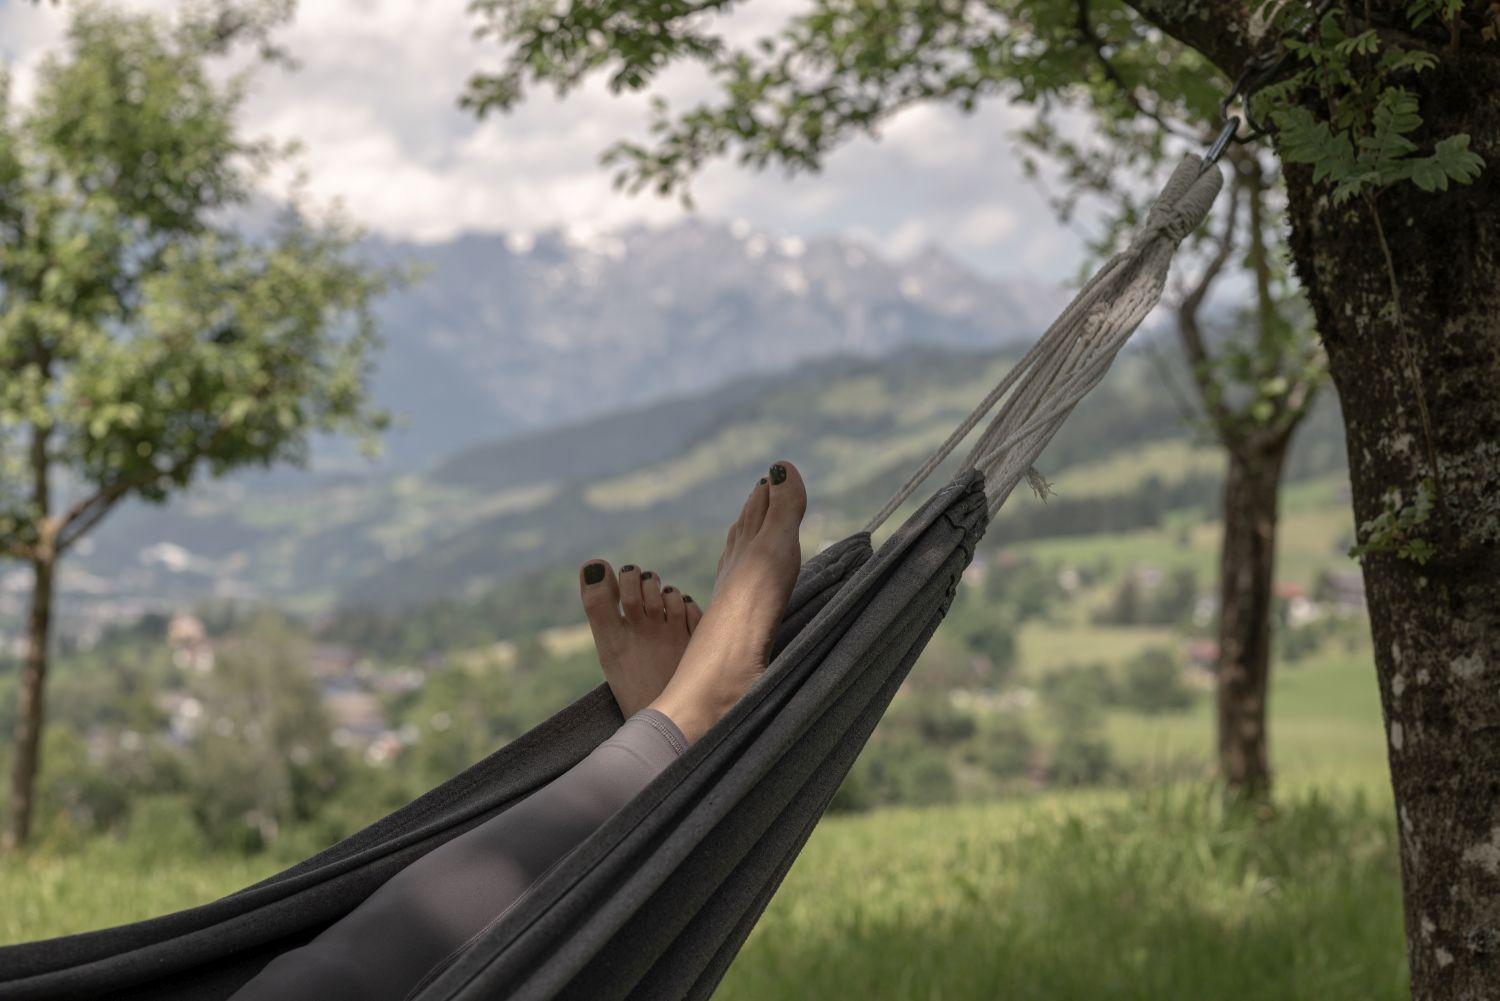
[
  {"x": 1420, "y": 391},
  {"x": 1418, "y": 378}
]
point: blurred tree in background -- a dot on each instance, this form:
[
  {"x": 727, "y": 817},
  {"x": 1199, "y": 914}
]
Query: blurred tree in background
[
  {"x": 264, "y": 757},
  {"x": 144, "y": 339}
]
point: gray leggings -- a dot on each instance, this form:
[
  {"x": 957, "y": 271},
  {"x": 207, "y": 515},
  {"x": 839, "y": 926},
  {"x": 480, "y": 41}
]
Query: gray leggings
[{"x": 429, "y": 911}]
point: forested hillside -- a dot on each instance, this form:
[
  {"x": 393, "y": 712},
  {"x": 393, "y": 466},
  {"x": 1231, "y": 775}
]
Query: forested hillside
[{"x": 492, "y": 513}]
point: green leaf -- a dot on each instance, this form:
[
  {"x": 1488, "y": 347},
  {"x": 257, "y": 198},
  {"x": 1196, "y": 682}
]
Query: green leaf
[{"x": 1458, "y": 161}]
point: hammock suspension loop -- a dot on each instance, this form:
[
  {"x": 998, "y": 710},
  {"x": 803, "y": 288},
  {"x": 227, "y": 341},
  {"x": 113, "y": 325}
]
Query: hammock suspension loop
[{"x": 1240, "y": 125}]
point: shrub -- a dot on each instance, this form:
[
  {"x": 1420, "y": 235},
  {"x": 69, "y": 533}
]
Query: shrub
[
  {"x": 1003, "y": 748},
  {"x": 1152, "y": 683}
]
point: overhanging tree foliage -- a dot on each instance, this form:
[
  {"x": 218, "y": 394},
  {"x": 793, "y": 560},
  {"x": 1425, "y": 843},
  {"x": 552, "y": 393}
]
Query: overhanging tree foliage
[
  {"x": 1388, "y": 119},
  {"x": 144, "y": 341}
]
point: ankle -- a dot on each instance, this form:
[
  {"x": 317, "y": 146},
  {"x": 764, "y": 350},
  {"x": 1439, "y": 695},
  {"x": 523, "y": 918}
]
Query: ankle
[{"x": 694, "y": 713}]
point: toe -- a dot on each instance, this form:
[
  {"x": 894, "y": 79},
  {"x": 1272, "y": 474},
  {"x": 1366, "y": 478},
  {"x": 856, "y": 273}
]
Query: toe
[
  {"x": 651, "y": 603},
  {"x": 601, "y": 599},
  {"x": 630, "y": 592},
  {"x": 788, "y": 495},
  {"x": 755, "y": 508},
  {"x": 694, "y": 613},
  {"x": 673, "y": 605}
]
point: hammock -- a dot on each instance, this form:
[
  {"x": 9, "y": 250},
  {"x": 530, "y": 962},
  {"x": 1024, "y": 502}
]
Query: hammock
[{"x": 656, "y": 902}]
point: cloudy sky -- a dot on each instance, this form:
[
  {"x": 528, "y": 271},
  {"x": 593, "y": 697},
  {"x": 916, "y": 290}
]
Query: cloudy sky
[{"x": 374, "y": 104}]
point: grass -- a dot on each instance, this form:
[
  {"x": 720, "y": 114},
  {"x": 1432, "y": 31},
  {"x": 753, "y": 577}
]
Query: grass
[
  {"x": 1311, "y": 538},
  {"x": 1044, "y": 646},
  {"x": 1058, "y": 895},
  {"x": 1168, "y": 461},
  {"x": 109, "y": 883},
  {"x": 1325, "y": 728},
  {"x": 1087, "y": 897},
  {"x": 1081, "y": 895}
]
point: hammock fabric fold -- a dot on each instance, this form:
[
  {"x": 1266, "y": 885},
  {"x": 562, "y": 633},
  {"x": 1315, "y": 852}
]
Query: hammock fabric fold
[{"x": 656, "y": 902}]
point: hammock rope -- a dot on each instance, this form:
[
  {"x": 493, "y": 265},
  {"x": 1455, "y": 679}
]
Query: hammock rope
[{"x": 1076, "y": 351}]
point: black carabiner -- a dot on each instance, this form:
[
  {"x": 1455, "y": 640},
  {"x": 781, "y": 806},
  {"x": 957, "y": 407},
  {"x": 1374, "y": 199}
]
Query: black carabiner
[{"x": 1220, "y": 144}]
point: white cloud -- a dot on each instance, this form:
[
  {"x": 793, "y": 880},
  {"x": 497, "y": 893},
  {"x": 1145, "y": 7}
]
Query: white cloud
[{"x": 374, "y": 106}]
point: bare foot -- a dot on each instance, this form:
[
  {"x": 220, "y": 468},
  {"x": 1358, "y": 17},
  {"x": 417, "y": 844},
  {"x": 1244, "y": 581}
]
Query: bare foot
[
  {"x": 730, "y": 647},
  {"x": 640, "y": 629}
]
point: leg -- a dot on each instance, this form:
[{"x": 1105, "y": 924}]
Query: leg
[{"x": 434, "y": 906}]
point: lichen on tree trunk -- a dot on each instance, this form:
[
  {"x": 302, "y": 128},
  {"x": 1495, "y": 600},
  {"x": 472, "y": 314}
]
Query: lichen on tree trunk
[{"x": 1436, "y": 625}]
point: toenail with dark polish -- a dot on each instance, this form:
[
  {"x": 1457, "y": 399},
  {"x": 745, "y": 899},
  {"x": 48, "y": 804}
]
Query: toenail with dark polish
[
  {"x": 647, "y": 575},
  {"x": 627, "y": 568},
  {"x": 778, "y": 473},
  {"x": 593, "y": 573},
  {"x": 688, "y": 598},
  {"x": 668, "y": 590},
  {"x": 762, "y": 481}
]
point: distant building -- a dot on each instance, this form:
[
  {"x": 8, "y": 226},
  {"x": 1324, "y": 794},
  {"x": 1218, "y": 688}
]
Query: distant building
[
  {"x": 1202, "y": 653},
  {"x": 188, "y": 640},
  {"x": 1342, "y": 589},
  {"x": 333, "y": 660},
  {"x": 1288, "y": 590},
  {"x": 1202, "y": 662},
  {"x": 401, "y": 681},
  {"x": 1300, "y": 608},
  {"x": 357, "y": 717},
  {"x": 184, "y": 715}
]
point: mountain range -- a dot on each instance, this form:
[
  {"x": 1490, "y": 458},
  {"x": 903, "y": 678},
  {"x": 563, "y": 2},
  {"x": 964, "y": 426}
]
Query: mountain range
[
  {"x": 568, "y": 399},
  {"x": 504, "y": 333},
  {"x": 655, "y": 481}
]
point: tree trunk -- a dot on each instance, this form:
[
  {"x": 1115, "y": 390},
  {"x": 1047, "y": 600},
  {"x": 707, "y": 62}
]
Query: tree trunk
[
  {"x": 31, "y": 715},
  {"x": 1416, "y": 388},
  {"x": 1246, "y": 576}
]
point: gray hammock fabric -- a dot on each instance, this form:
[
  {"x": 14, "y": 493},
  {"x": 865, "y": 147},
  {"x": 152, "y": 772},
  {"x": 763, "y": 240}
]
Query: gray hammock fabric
[{"x": 656, "y": 903}]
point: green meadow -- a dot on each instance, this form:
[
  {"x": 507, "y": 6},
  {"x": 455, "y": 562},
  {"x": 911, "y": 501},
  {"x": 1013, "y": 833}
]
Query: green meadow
[{"x": 1147, "y": 890}]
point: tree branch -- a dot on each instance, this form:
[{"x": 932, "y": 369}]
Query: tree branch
[
  {"x": 84, "y": 515},
  {"x": 1193, "y": 341},
  {"x": 1252, "y": 177},
  {"x": 11, "y": 549},
  {"x": 1220, "y": 29},
  {"x": 1299, "y": 398},
  {"x": 1096, "y": 45},
  {"x": 87, "y": 513},
  {"x": 1164, "y": 372}
]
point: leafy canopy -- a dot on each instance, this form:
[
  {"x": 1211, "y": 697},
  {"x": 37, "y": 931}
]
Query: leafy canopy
[
  {"x": 843, "y": 66},
  {"x": 143, "y": 337},
  {"x": 1345, "y": 111}
]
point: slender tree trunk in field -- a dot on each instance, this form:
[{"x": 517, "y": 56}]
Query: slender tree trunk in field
[
  {"x": 1246, "y": 578},
  {"x": 31, "y": 714},
  {"x": 1255, "y": 443},
  {"x": 1417, "y": 385}
]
